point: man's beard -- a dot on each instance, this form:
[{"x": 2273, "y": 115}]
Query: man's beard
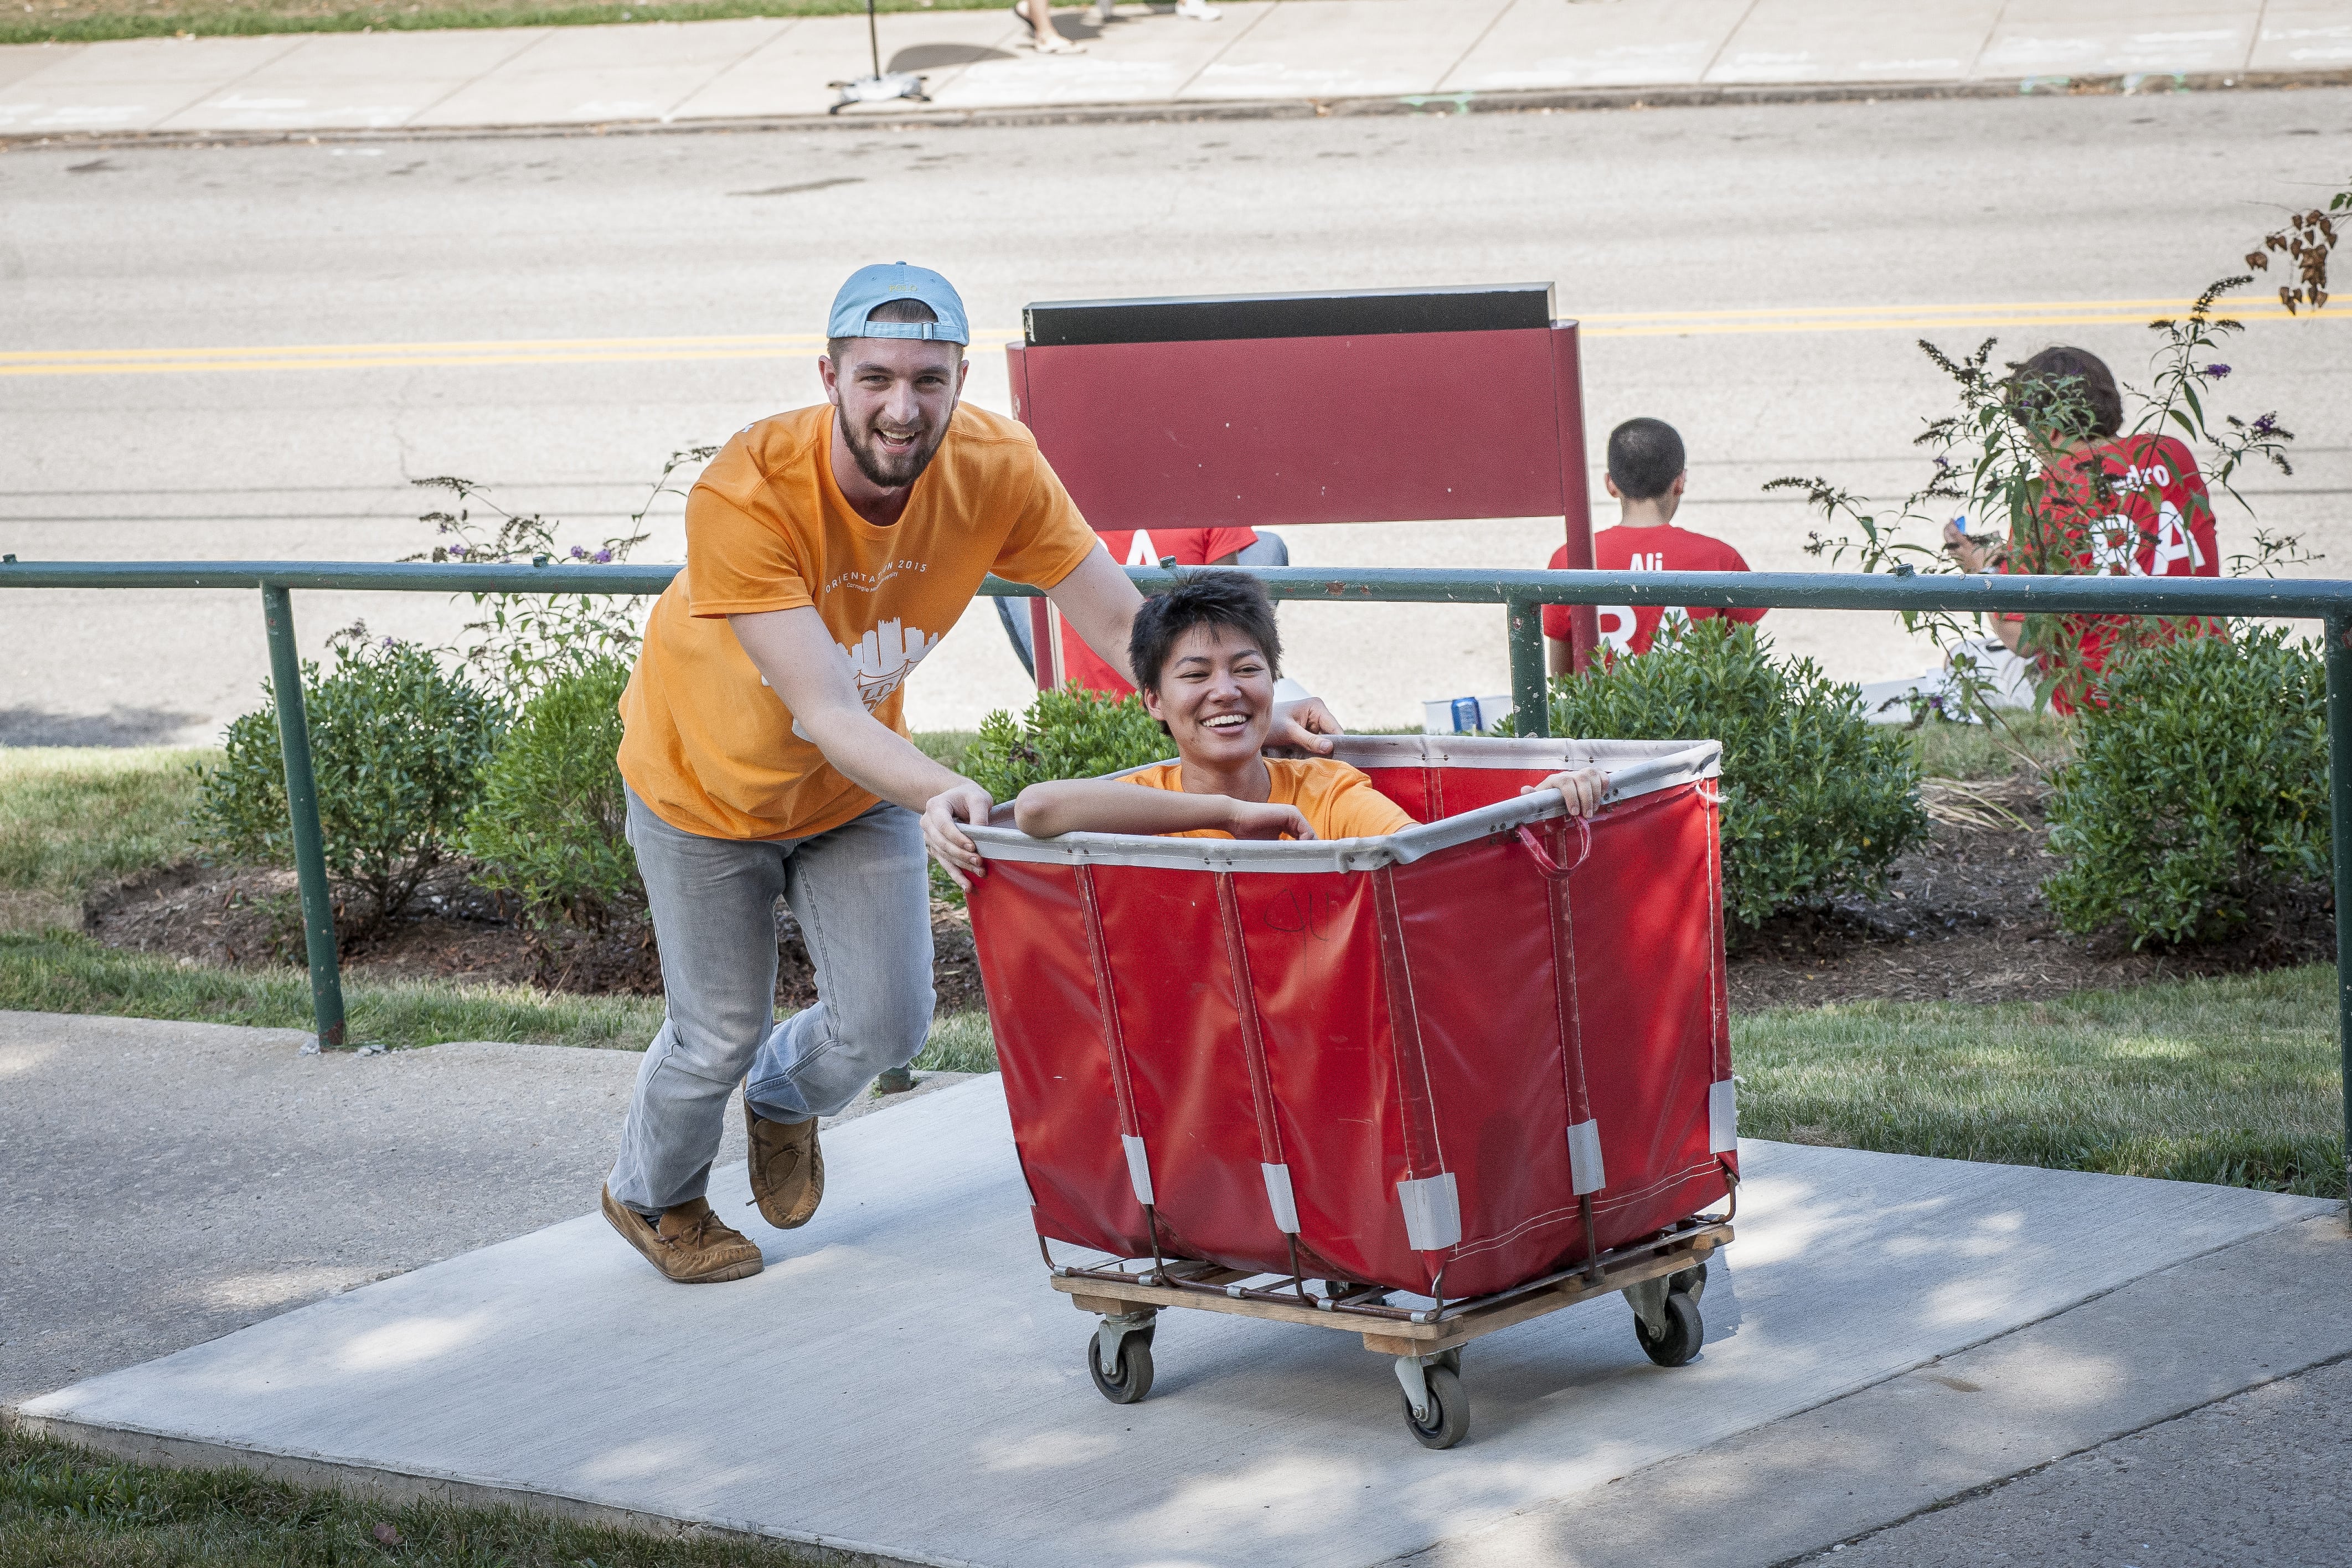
[{"x": 888, "y": 470}]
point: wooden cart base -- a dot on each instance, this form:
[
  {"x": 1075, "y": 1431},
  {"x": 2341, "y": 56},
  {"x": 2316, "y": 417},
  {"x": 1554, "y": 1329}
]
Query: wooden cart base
[{"x": 1661, "y": 1276}]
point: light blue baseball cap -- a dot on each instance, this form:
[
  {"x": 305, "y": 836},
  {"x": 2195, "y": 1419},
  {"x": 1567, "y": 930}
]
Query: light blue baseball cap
[{"x": 877, "y": 285}]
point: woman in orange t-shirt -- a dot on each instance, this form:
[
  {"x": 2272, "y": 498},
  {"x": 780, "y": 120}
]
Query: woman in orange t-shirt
[{"x": 1207, "y": 653}]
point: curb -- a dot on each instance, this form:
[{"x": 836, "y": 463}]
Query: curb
[{"x": 1531, "y": 101}]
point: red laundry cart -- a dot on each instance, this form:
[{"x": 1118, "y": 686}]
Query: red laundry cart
[{"x": 1419, "y": 1088}]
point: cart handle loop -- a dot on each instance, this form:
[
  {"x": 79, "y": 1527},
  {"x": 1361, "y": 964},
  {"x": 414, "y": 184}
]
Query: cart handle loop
[{"x": 1544, "y": 862}]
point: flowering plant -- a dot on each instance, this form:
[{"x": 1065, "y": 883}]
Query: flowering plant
[{"x": 527, "y": 640}]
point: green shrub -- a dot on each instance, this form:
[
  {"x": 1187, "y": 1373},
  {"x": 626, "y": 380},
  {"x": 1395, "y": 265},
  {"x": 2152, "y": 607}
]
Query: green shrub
[
  {"x": 397, "y": 745},
  {"x": 1816, "y": 799},
  {"x": 1064, "y": 735},
  {"x": 2198, "y": 788},
  {"x": 550, "y": 825}
]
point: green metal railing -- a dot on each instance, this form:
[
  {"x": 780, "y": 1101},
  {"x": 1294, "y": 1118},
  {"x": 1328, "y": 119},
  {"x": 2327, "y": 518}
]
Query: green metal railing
[{"x": 1521, "y": 594}]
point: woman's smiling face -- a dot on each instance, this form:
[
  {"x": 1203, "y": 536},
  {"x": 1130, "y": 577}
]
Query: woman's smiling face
[{"x": 1215, "y": 695}]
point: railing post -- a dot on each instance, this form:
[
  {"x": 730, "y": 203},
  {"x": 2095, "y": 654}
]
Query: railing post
[
  {"x": 303, "y": 807},
  {"x": 1530, "y": 695},
  {"x": 2339, "y": 789}
]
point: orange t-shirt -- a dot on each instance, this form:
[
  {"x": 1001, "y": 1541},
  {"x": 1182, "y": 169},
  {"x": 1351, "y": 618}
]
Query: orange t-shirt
[
  {"x": 1337, "y": 801},
  {"x": 705, "y": 745}
]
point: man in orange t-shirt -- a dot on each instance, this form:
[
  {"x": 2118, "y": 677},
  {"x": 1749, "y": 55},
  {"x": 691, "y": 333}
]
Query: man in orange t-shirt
[
  {"x": 766, "y": 753},
  {"x": 1646, "y": 474}
]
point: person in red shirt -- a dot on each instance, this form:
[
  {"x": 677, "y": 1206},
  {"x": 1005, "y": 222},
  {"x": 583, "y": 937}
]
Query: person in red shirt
[
  {"x": 1646, "y": 474},
  {"x": 2113, "y": 505},
  {"x": 1146, "y": 547}
]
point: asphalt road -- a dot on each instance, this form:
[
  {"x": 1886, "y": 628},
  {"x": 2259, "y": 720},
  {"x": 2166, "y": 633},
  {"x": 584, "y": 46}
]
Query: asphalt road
[{"x": 1831, "y": 235}]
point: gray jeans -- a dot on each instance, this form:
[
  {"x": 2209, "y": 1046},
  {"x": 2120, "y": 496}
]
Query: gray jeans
[{"x": 862, "y": 896}]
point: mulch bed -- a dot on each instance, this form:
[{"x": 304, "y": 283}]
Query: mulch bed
[
  {"x": 453, "y": 930},
  {"x": 1963, "y": 920}
]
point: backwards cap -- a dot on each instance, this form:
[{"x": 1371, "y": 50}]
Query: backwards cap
[{"x": 871, "y": 286}]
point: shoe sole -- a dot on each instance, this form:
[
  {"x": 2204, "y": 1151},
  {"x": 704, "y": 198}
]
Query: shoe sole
[{"x": 619, "y": 1219}]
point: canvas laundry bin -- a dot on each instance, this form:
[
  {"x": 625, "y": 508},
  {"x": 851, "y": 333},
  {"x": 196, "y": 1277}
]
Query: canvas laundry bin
[{"x": 1444, "y": 1061}]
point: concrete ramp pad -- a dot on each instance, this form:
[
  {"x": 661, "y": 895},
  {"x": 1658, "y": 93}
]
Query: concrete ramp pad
[{"x": 901, "y": 1381}]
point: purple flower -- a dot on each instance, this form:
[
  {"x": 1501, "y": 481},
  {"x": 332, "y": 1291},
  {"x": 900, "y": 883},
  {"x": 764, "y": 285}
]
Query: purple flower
[
  {"x": 603, "y": 558},
  {"x": 2266, "y": 424},
  {"x": 577, "y": 553},
  {"x": 458, "y": 550},
  {"x": 2216, "y": 371},
  {"x": 392, "y": 642}
]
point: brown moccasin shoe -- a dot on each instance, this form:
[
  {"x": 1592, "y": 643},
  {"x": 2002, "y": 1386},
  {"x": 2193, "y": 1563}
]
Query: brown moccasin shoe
[
  {"x": 691, "y": 1245},
  {"x": 787, "y": 1169}
]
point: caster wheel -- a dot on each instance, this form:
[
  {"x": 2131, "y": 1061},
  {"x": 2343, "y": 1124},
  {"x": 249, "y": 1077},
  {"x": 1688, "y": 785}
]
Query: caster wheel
[
  {"x": 1684, "y": 1333},
  {"x": 1132, "y": 1380},
  {"x": 1688, "y": 1282},
  {"x": 1449, "y": 1411},
  {"x": 1451, "y": 1360}
]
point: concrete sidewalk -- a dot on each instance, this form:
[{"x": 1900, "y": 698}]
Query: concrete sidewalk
[
  {"x": 1304, "y": 55},
  {"x": 1887, "y": 1334},
  {"x": 170, "y": 1183}
]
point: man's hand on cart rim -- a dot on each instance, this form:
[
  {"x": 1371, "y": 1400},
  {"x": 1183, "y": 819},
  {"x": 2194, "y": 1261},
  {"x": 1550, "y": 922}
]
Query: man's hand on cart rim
[
  {"x": 1580, "y": 790},
  {"x": 1306, "y": 724},
  {"x": 944, "y": 815}
]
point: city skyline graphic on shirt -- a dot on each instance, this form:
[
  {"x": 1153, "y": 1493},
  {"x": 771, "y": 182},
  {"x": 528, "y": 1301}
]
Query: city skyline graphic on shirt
[{"x": 885, "y": 657}]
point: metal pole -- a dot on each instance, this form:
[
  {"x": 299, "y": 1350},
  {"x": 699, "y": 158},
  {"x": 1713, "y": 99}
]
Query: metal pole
[
  {"x": 2339, "y": 789},
  {"x": 1530, "y": 695},
  {"x": 302, "y": 806}
]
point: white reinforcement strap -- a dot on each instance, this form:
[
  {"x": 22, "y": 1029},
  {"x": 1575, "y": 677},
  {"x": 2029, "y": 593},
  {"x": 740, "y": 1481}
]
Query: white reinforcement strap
[
  {"x": 1432, "y": 1212},
  {"x": 1138, "y": 1167},
  {"x": 1278, "y": 1197},
  {"x": 1722, "y": 1119},
  {"x": 1585, "y": 1172}
]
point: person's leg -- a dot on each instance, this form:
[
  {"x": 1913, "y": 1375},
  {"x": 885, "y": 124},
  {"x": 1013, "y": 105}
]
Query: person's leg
[
  {"x": 1039, "y": 16},
  {"x": 713, "y": 902},
  {"x": 862, "y": 895},
  {"x": 1269, "y": 550}
]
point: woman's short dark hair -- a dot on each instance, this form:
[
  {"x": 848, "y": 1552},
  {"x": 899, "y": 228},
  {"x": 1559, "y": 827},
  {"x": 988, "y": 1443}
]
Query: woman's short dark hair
[
  {"x": 2063, "y": 388},
  {"x": 1232, "y": 599}
]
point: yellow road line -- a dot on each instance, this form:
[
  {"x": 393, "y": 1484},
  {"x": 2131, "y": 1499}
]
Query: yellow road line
[{"x": 1796, "y": 319}]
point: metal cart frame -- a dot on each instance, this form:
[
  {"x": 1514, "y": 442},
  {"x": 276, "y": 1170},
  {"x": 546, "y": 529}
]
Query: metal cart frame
[{"x": 1661, "y": 1277}]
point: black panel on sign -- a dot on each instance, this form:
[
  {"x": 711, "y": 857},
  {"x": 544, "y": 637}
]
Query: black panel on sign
[{"x": 1341, "y": 314}]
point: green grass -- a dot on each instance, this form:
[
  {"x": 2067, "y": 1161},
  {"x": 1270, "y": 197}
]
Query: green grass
[
  {"x": 959, "y": 1042},
  {"x": 2233, "y": 1081},
  {"x": 2230, "y": 1081},
  {"x": 61, "y": 1505},
  {"x": 88, "y": 21},
  {"x": 72, "y": 818},
  {"x": 64, "y": 971},
  {"x": 1978, "y": 752}
]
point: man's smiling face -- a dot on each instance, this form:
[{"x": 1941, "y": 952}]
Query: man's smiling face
[{"x": 894, "y": 397}]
